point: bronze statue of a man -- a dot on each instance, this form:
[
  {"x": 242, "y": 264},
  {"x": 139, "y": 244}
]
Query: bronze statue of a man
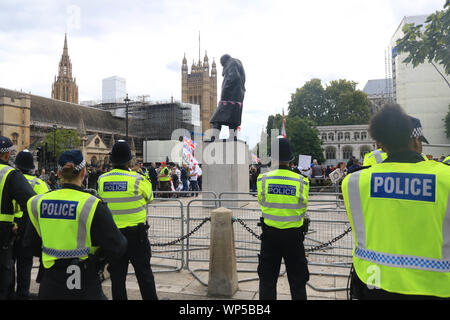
[{"x": 229, "y": 109}]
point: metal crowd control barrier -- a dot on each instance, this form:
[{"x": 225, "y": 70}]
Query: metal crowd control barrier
[
  {"x": 166, "y": 227},
  {"x": 326, "y": 251},
  {"x": 158, "y": 193}
]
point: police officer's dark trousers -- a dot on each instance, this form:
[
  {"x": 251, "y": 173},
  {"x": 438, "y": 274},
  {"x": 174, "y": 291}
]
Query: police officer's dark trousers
[
  {"x": 71, "y": 279},
  {"x": 139, "y": 254},
  {"x": 275, "y": 245},
  {"x": 21, "y": 272}
]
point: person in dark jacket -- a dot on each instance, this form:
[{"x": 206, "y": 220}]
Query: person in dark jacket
[{"x": 15, "y": 187}]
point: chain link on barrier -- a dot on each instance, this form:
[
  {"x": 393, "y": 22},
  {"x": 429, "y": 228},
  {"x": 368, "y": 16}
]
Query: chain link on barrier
[
  {"x": 318, "y": 247},
  {"x": 182, "y": 237}
]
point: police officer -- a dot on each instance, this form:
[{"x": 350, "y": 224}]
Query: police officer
[
  {"x": 283, "y": 197},
  {"x": 127, "y": 194},
  {"x": 75, "y": 232},
  {"x": 375, "y": 156},
  {"x": 24, "y": 257},
  {"x": 164, "y": 179},
  {"x": 399, "y": 213},
  {"x": 13, "y": 187}
]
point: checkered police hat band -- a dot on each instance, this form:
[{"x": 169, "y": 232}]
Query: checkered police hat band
[
  {"x": 417, "y": 132},
  {"x": 78, "y": 167},
  {"x": 4, "y": 150}
]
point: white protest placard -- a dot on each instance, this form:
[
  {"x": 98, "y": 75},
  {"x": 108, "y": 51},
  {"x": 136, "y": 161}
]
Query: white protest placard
[
  {"x": 304, "y": 161},
  {"x": 336, "y": 175}
]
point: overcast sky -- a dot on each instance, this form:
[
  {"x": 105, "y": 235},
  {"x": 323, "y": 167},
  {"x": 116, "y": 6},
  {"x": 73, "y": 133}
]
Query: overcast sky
[{"x": 282, "y": 44}]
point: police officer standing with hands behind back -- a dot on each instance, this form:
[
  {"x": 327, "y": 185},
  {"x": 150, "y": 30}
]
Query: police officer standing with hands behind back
[
  {"x": 23, "y": 257},
  {"x": 127, "y": 194},
  {"x": 283, "y": 197},
  {"x": 13, "y": 186},
  {"x": 73, "y": 229},
  {"x": 399, "y": 211}
]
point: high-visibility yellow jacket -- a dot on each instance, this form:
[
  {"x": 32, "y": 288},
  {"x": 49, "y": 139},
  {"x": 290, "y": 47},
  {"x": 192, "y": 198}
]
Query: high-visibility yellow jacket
[
  {"x": 400, "y": 216},
  {"x": 127, "y": 194},
  {"x": 4, "y": 172},
  {"x": 39, "y": 187},
  {"x": 283, "y": 197},
  {"x": 373, "y": 157},
  {"x": 63, "y": 218}
]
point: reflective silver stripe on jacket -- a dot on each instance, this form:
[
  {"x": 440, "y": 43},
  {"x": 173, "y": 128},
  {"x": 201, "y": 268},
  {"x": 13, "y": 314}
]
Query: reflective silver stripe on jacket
[
  {"x": 122, "y": 200},
  {"x": 81, "y": 249},
  {"x": 423, "y": 263},
  {"x": 446, "y": 232},
  {"x": 282, "y": 218},
  {"x": 354, "y": 199},
  {"x": 33, "y": 182},
  {"x": 378, "y": 157},
  {"x": 293, "y": 206},
  {"x": 128, "y": 211},
  {"x": 34, "y": 209}
]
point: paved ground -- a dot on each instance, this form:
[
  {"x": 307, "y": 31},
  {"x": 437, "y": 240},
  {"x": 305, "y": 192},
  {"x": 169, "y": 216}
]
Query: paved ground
[{"x": 182, "y": 285}]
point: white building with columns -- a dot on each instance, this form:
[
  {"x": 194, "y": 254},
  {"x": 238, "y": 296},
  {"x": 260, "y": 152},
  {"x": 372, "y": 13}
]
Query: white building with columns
[{"x": 342, "y": 142}]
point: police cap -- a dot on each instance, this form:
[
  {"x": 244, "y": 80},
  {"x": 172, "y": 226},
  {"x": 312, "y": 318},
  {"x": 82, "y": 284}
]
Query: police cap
[
  {"x": 73, "y": 156},
  {"x": 24, "y": 160},
  {"x": 285, "y": 153},
  {"x": 6, "y": 145},
  {"x": 417, "y": 130},
  {"x": 120, "y": 153}
]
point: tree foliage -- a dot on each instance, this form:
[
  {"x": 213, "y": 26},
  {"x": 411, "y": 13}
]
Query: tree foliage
[
  {"x": 431, "y": 43},
  {"x": 304, "y": 138},
  {"x": 340, "y": 103},
  {"x": 65, "y": 139}
]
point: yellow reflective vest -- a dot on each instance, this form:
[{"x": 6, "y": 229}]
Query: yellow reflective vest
[
  {"x": 447, "y": 160},
  {"x": 63, "y": 218},
  {"x": 165, "y": 170},
  {"x": 127, "y": 194},
  {"x": 39, "y": 187},
  {"x": 376, "y": 156},
  {"x": 5, "y": 170},
  {"x": 283, "y": 197},
  {"x": 400, "y": 216}
]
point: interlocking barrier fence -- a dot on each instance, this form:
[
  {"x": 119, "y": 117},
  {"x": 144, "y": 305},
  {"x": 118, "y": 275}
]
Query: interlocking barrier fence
[{"x": 180, "y": 234}]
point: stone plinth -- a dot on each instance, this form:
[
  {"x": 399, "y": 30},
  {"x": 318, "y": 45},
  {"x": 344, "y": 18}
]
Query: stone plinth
[
  {"x": 222, "y": 258},
  {"x": 226, "y": 169}
]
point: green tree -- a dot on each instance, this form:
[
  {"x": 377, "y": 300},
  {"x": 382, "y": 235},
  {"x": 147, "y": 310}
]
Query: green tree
[
  {"x": 345, "y": 104},
  {"x": 431, "y": 42},
  {"x": 304, "y": 138},
  {"x": 308, "y": 102},
  {"x": 340, "y": 103},
  {"x": 65, "y": 139}
]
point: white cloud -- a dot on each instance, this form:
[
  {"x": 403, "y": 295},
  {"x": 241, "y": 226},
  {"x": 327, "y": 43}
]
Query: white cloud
[{"x": 282, "y": 44}]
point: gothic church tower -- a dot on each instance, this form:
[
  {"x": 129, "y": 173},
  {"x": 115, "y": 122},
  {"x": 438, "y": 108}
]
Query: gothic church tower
[
  {"x": 64, "y": 87},
  {"x": 200, "y": 87}
]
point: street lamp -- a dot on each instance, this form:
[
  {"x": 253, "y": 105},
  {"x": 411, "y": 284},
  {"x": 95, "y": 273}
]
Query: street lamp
[
  {"x": 54, "y": 146},
  {"x": 126, "y": 115}
]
